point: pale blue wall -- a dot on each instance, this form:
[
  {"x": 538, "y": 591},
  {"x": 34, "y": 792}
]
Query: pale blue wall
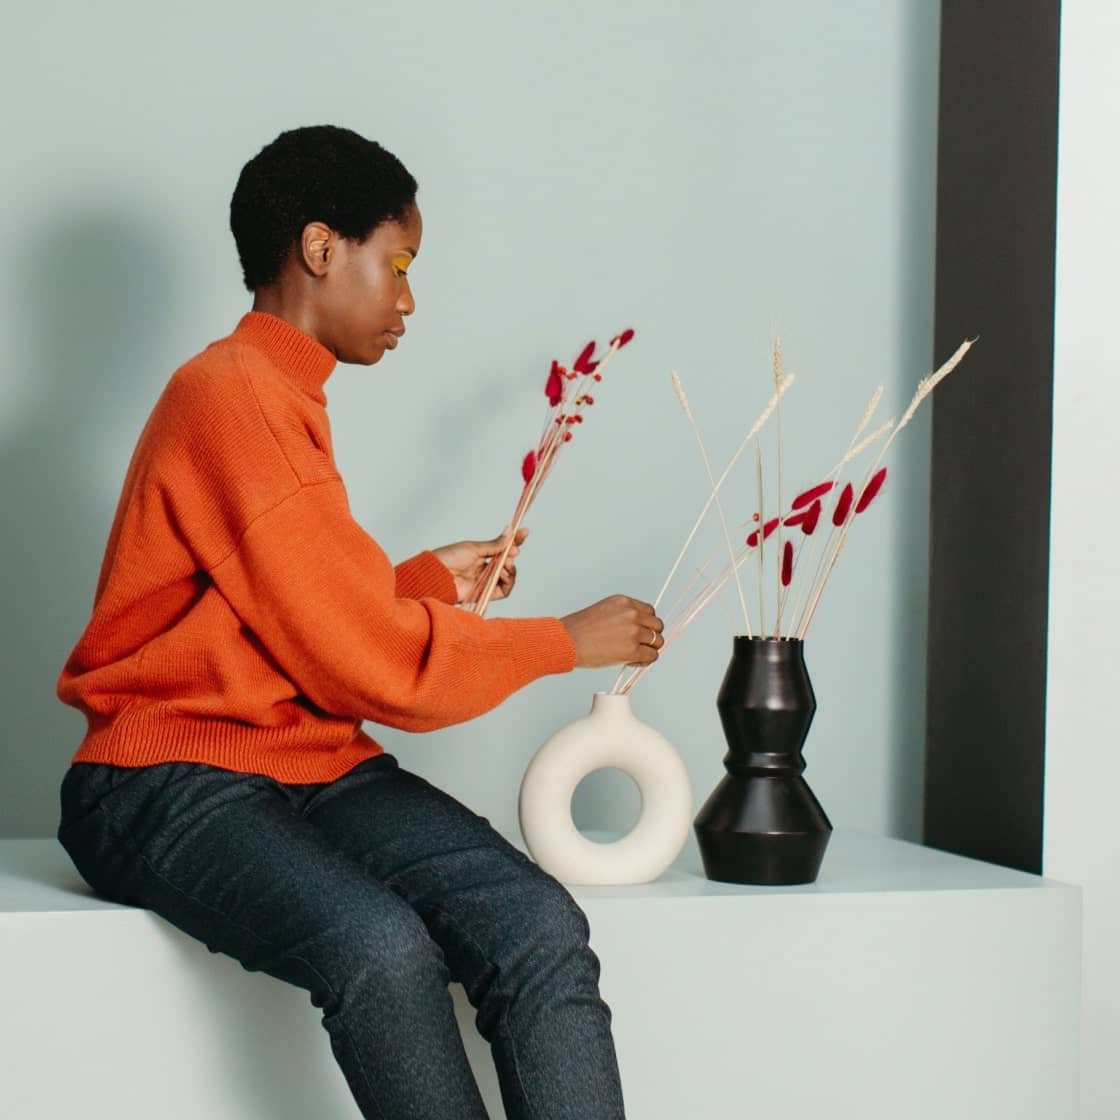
[{"x": 702, "y": 173}]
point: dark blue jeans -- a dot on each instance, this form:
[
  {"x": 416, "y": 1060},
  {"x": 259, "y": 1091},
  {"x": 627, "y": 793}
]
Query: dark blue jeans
[{"x": 371, "y": 892}]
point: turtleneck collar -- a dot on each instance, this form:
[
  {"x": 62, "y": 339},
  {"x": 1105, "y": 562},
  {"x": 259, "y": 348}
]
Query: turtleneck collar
[{"x": 304, "y": 361}]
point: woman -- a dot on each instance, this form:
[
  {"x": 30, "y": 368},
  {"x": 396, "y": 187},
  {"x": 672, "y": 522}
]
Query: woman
[{"x": 244, "y": 626}]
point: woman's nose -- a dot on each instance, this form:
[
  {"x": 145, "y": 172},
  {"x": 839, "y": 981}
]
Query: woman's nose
[{"x": 406, "y": 305}]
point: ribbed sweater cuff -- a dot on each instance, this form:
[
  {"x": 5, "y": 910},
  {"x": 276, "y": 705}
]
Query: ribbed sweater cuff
[
  {"x": 425, "y": 576},
  {"x": 540, "y": 646}
]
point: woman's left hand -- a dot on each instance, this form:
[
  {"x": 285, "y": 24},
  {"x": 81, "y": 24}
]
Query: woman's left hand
[{"x": 468, "y": 560}]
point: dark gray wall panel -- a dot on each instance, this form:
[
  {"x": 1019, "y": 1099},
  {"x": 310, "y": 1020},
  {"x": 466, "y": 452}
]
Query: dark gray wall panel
[{"x": 990, "y": 471}]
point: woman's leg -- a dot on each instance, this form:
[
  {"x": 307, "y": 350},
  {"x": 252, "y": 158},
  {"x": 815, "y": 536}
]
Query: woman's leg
[
  {"x": 511, "y": 934},
  {"x": 228, "y": 859}
]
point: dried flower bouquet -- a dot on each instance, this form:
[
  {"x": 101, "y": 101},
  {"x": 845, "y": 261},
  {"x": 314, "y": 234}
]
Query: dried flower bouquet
[
  {"x": 805, "y": 557},
  {"x": 569, "y": 394}
]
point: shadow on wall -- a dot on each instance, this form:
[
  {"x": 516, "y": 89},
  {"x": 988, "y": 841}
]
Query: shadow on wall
[{"x": 97, "y": 290}]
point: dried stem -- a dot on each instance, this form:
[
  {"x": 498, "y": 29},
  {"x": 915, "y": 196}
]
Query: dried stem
[
  {"x": 925, "y": 387},
  {"x": 701, "y": 571},
  {"x": 689, "y": 615},
  {"x": 861, "y": 447},
  {"x": 551, "y": 441},
  {"x": 854, "y": 448},
  {"x": 872, "y": 405},
  {"x": 778, "y": 423},
  {"x": 765, "y": 415},
  {"x": 787, "y": 381},
  {"x": 712, "y": 479},
  {"x": 488, "y": 581},
  {"x": 761, "y": 536}
]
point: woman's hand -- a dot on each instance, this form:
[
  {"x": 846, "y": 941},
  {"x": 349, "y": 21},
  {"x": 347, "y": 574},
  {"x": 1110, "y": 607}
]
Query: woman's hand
[
  {"x": 468, "y": 560},
  {"x": 616, "y": 630}
]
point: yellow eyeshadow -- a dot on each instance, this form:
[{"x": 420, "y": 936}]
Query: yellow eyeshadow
[{"x": 401, "y": 262}]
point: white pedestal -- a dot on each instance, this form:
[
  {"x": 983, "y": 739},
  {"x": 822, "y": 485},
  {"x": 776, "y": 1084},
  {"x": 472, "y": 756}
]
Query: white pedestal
[{"x": 904, "y": 984}]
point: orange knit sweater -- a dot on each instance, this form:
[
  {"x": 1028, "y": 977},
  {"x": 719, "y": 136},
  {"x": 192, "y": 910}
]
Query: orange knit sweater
[{"x": 243, "y": 618}]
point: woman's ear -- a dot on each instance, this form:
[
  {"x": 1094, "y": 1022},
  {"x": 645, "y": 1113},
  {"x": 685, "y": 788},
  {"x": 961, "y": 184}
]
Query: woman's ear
[{"x": 317, "y": 247}]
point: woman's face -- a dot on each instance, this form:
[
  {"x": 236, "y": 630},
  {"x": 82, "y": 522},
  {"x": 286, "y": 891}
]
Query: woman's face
[{"x": 366, "y": 293}]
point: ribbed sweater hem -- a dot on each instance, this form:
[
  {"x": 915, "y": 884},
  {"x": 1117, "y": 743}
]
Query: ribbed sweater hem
[{"x": 151, "y": 736}]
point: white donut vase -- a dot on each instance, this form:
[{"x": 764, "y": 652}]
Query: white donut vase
[{"x": 610, "y": 736}]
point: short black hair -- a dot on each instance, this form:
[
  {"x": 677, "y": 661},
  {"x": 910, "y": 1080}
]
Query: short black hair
[{"x": 321, "y": 173}]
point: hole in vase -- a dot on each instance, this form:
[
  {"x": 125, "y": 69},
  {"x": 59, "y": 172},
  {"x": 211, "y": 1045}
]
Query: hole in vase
[{"x": 606, "y": 805}]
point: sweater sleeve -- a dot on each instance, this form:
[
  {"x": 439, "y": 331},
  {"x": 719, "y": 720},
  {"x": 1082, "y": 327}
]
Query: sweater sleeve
[
  {"x": 322, "y": 597},
  {"x": 425, "y": 576}
]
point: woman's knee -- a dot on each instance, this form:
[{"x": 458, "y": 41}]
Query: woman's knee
[
  {"x": 551, "y": 919},
  {"x": 544, "y": 956}
]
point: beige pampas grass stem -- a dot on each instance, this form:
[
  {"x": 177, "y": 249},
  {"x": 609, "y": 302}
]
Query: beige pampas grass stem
[
  {"x": 712, "y": 479},
  {"x": 777, "y": 365},
  {"x": 765, "y": 415},
  {"x": 677, "y": 628},
  {"x": 805, "y": 587},
  {"x": 872, "y": 405},
  {"x": 925, "y": 387},
  {"x": 787, "y": 381},
  {"x": 761, "y": 538},
  {"x": 864, "y": 444}
]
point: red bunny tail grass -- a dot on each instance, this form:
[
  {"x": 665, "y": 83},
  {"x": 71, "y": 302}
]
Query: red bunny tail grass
[
  {"x": 787, "y": 563},
  {"x": 554, "y": 386},
  {"x": 583, "y": 363},
  {"x": 565, "y": 415},
  {"x": 807, "y": 518},
  {"x": 529, "y": 466},
  {"x": 871, "y": 489},
  {"x": 767, "y": 529},
  {"x": 840, "y": 513},
  {"x": 811, "y": 495}
]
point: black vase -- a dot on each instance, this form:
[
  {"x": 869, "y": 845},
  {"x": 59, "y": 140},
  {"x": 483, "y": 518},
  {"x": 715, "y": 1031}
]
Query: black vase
[{"x": 762, "y": 823}]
